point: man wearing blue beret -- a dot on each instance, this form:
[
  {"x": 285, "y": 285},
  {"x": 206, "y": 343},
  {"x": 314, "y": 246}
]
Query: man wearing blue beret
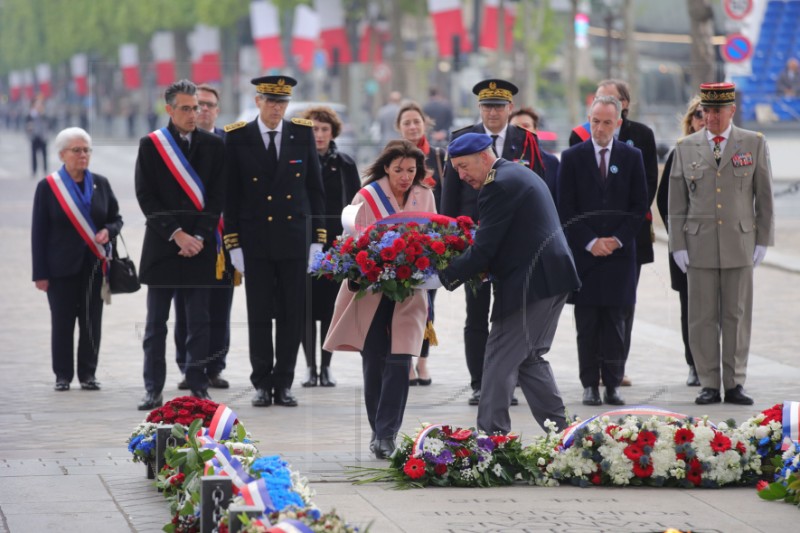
[{"x": 521, "y": 244}]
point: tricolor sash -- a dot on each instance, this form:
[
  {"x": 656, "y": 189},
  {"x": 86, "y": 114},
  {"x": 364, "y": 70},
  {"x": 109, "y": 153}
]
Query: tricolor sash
[
  {"x": 377, "y": 200},
  {"x": 225, "y": 464},
  {"x": 791, "y": 423},
  {"x": 568, "y": 438},
  {"x": 77, "y": 209},
  {"x": 583, "y": 131},
  {"x": 179, "y": 166},
  {"x": 290, "y": 525},
  {"x": 256, "y": 493},
  {"x": 221, "y": 424}
]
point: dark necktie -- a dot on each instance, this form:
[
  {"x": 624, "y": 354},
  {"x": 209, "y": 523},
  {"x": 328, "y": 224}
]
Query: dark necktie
[
  {"x": 184, "y": 143},
  {"x": 718, "y": 148},
  {"x": 494, "y": 144},
  {"x": 272, "y": 151},
  {"x": 603, "y": 170}
]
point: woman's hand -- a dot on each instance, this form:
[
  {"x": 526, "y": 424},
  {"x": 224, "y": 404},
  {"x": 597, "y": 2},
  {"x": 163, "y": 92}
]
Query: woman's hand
[
  {"x": 101, "y": 237},
  {"x": 42, "y": 284}
]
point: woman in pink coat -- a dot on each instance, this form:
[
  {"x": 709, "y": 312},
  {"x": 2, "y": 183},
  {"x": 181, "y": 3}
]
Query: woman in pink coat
[{"x": 386, "y": 333}]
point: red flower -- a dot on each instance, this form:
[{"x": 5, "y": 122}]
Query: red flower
[
  {"x": 694, "y": 478},
  {"x": 414, "y": 468},
  {"x": 440, "y": 219},
  {"x": 440, "y": 469},
  {"x": 720, "y": 443},
  {"x": 461, "y": 434},
  {"x": 633, "y": 452},
  {"x": 465, "y": 222},
  {"x": 462, "y": 452},
  {"x": 363, "y": 241},
  {"x": 773, "y": 413},
  {"x": 455, "y": 242},
  {"x": 684, "y": 436},
  {"x": 403, "y": 272},
  {"x": 399, "y": 244},
  {"x": 429, "y": 181},
  {"x": 610, "y": 429},
  {"x": 422, "y": 263},
  {"x": 761, "y": 485},
  {"x": 388, "y": 254},
  {"x": 414, "y": 249},
  {"x": 642, "y": 471},
  {"x": 499, "y": 440},
  {"x": 361, "y": 258},
  {"x": 438, "y": 247},
  {"x": 368, "y": 265},
  {"x": 741, "y": 448},
  {"x": 347, "y": 247},
  {"x": 646, "y": 438},
  {"x": 373, "y": 274}
]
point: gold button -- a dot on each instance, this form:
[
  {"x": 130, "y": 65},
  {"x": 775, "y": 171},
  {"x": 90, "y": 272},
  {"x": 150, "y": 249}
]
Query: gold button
[
  {"x": 255, "y": 179},
  {"x": 719, "y": 222},
  {"x": 719, "y": 206},
  {"x": 719, "y": 190},
  {"x": 269, "y": 219},
  {"x": 288, "y": 196},
  {"x": 289, "y": 217},
  {"x": 269, "y": 198},
  {"x": 297, "y": 175}
]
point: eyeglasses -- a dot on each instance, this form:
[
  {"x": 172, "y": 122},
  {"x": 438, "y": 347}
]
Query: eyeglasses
[
  {"x": 209, "y": 105},
  {"x": 275, "y": 103},
  {"x": 79, "y": 149},
  {"x": 188, "y": 109},
  {"x": 698, "y": 113},
  {"x": 493, "y": 107}
]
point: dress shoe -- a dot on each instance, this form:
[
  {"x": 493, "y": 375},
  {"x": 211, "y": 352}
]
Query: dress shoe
[
  {"x": 284, "y": 397},
  {"x": 150, "y": 401},
  {"x": 514, "y": 400},
  {"x": 626, "y": 381},
  {"x": 708, "y": 396},
  {"x": 475, "y": 399},
  {"x": 736, "y": 395},
  {"x": 423, "y": 382},
  {"x": 693, "y": 380},
  {"x": 62, "y": 385},
  {"x": 413, "y": 382},
  {"x": 326, "y": 378},
  {"x": 201, "y": 394},
  {"x": 261, "y": 399},
  {"x": 218, "y": 382},
  {"x": 384, "y": 448},
  {"x": 182, "y": 384},
  {"x": 311, "y": 377},
  {"x": 612, "y": 397},
  {"x": 90, "y": 384},
  {"x": 591, "y": 396}
]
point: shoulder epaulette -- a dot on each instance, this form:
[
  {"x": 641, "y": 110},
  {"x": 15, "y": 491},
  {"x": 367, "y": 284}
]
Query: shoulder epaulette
[
  {"x": 302, "y": 122},
  {"x": 235, "y": 126},
  {"x": 759, "y": 134},
  {"x": 490, "y": 177}
]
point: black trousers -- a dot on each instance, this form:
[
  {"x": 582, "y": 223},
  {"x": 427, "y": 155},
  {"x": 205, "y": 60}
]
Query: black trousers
[
  {"x": 601, "y": 344},
  {"x": 274, "y": 289},
  {"x": 385, "y": 375},
  {"x": 683, "y": 294},
  {"x": 220, "y": 301},
  {"x": 38, "y": 145},
  {"x": 629, "y": 317},
  {"x": 159, "y": 300},
  {"x": 76, "y": 298},
  {"x": 309, "y": 341},
  {"x": 476, "y": 331}
]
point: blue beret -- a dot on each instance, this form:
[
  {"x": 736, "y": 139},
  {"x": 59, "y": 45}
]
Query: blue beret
[{"x": 469, "y": 143}]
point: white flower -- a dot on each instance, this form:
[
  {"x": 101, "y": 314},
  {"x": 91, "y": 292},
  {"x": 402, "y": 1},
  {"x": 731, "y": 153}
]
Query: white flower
[
  {"x": 498, "y": 470},
  {"x": 541, "y": 461}
]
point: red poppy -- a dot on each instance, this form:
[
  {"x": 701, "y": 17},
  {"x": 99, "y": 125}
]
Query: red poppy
[
  {"x": 422, "y": 263},
  {"x": 388, "y": 254},
  {"x": 461, "y": 434},
  {"x": 684, "y": 436},
  {"x": 414, "y": 468},
  {"x": 720, "y": 443},
  {"x": 633, "y": 452},
  {"x": 403, "y": 272},
  {"x": 438, "y": 247}
]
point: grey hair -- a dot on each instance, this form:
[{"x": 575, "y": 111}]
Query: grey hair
[
  {"x": 67, "y": 135},
  {"x": 179, "y": 87},
  {"x": 607, "y": 100}
]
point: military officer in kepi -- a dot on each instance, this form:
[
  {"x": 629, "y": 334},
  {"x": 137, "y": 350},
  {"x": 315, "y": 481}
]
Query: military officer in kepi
[{"x": 273, "y": 217}]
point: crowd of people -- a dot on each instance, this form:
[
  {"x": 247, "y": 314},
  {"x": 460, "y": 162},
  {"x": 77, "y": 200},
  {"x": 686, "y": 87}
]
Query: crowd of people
[{"x": 254, "y": 200}]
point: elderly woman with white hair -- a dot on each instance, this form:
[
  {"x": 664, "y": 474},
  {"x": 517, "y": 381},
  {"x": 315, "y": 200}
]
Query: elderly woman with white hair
[{"x": 75, "y": 216}]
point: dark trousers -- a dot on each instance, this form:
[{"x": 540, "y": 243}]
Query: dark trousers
[
  {"x": 426, "y": 345},
  {"x": 385, "y": 375},
  {"x": 159, "y": 300},
  {"x": 76, "y": 298},
  {"x": 629, "y": 317},
  {"x": 274, "y": 288},
  {"x": 683, "y": 294},
  {"x": 601, "y": 344},
  {"x": 38, "y": 144},
  {"x": 476, "y": 331},
  {"x": 220, "y": 301},
  {"x": 309, "y": 341}
]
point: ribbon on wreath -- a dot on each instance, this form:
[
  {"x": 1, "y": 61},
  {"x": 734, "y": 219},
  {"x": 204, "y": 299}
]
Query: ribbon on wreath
[
  {"x": 225, "y": 464},
  {"x": 791, "y": 424},
  {"x": 221, "y": 425},
  {"x": 639, "y": 410},
  {"x": 290, "y": 526},
  {"x": 419, "y": 442},
  {"x": 256, "y": 493}
]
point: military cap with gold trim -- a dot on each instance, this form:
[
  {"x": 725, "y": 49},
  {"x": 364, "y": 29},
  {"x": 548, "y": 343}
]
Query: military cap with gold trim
[
  {"x": 717, "y": 94},
  {"x": 275, "y": 87},
  {"x": 495, "y": 91}
]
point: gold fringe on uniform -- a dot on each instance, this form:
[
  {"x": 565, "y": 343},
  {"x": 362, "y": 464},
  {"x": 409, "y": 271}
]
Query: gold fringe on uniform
[
  {"x": 430, "y": 334},
  {"x": 237, "y": 278},
  {"x": 220, "y": 264}
]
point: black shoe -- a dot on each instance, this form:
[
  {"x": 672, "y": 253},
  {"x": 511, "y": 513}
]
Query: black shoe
[
  {"x": 736, "y": 395},
  {"x": 326, "y": 378},
  {"x": 413, "y": 382},
  {"x": 284, "y": 397},
  {"x": 261, "y": 399},
  {"x": 383, "y": 448},
  {"x": 150, "y": 401},
  {"x": 423, "y": 382},
  {"x": 708, "y": 396},
  {"x": 90, "y": 384},
  {"x": 202, "y": 394},
  {"x": 475, "y": 399},
  {"x": 693, "y": 380},
  {"x": 612, "y": 397},
  {"x": 61, "y": 385},
  {"x": 311, "y": 377},
  {"x": 182, "y": 384},
  {"x": 514, "y": 400},
  {"x": 218, "y": 382},
  {"x": 591, "y": 396}
]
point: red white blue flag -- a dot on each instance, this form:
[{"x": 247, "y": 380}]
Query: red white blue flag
[
  {"x": 179, "y": 166},
  {"x": 256, "y": 493},
  {"x": 791, "y": 423},
  {"x": 222, "y": 423}
]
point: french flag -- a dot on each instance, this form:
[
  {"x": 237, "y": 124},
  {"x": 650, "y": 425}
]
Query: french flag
[
  {"x": 222, "y": 423},
  {"x": 491, "y": 17},
  {"x": 332, "y": 30},
  {"x": 163, "y": 47},
  {"x": 791, "y": 423},
  {"x": 15, "y": 85},
  {"x": 370, "y": 45},
  {"x": 448, "y": 22},
  {"x": 129, "y": 63},
  {"x": 204, "y": 44},
  {"x": 305, "y": 33},
  {"x": 79, "y": 65},
  {"x": 43, "y": 78},
  {"x": 27, "y": 84},
  {"x": 256, "y": 493},
  {"x": 265, "y": 27}
]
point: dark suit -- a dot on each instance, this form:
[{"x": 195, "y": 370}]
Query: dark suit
[
  {"x": 74, "y": 273},
  {"x": 168, "y": 208},
  {"x": 551, "y": 164},
  {"x": 458, "y": 198},
  {"x": 269, "y": 213},
  {"x": 521, "y": 244},
  {"x": 591, "y": 208}
]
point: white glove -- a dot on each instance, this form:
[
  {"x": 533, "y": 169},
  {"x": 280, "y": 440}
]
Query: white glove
[
  {"x": 312, "y": 252},
  {"x": 433, "y": 282},
  {"x": 681, "y": 258},
  {"x": 759, "y": 254},
  {"x": 237, "y": 259}
]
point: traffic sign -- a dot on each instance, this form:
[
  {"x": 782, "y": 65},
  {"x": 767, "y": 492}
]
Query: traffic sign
[
  {"x": 737, "y": 48},
  {"x": 738, "y": 9}
]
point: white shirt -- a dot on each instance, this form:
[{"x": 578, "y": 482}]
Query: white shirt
[
  {"x": 265, "y": 136},
  {"x": 710, "y": 138},
  {"x": 500, "y": 142},
  {"x": 597, "y": 149}
]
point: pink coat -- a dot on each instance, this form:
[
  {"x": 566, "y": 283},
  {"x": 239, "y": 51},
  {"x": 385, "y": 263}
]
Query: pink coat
[{"x": 352, "y": 318}]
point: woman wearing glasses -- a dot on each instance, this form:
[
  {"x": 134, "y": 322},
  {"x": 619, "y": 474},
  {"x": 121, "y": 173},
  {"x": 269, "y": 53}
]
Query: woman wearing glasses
[
  {"x": 693, "y": 120},
  {"x": 75, "y": 216}
]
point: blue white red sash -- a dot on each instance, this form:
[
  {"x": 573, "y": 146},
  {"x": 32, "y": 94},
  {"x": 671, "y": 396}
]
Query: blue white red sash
[
  {"x": 290, "y": 525},
  {"x": 79, "y": 216},
  {"x": 640, "y": 410},
  {"x": 583, "y": 131},
  {"x": 222, "y": 423},
  {"x": 256, "y": 493},
  {"x": 377, "y": 200},
  {"x": 225, "y": 464},
  {"x": 179, "y": 166},
  {"x": 791, "y": 423}
]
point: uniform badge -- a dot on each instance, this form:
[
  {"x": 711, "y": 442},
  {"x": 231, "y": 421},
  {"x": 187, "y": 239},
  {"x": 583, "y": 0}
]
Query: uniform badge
[
  {"x": 613, "y": 169},
  {"x": 235, "y": 126},
  {"x": 302, "y": 122},
  {"x": 490, "y": 177},
  {"x": 629, "y": 142},
  {"x": 742, "y": 160}
]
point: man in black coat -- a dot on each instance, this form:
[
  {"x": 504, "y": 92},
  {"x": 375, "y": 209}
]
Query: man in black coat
[
  {"x": 180, "y": 187},
  {"x": 522, "y": 246},
  {"x": 512, "y": 144},
  {"x": 639, "y": 136},
  {"x": 602, "y": 201},
  {"x": 275, "y": 196}
]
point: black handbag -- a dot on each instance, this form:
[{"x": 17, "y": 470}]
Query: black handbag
[{"x": 122, "y": 277}]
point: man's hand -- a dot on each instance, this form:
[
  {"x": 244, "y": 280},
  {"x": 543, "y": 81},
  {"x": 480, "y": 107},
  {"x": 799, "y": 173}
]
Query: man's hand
[
  {"x": 42, "y": 284},
  {"x": 189, "y": 245},
  {"x": 759, "y": 254},
  {"x": 681, "y": 258},
  {"x": 312, "y": 252},
  {"x": 237, "y": 259},
  {"x": 101, "y": 237},
  {"x": 600, "y": 248}
]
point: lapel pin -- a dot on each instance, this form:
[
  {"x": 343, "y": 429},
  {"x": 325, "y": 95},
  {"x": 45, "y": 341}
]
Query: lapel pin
[{"x": 613, "y": 169}]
